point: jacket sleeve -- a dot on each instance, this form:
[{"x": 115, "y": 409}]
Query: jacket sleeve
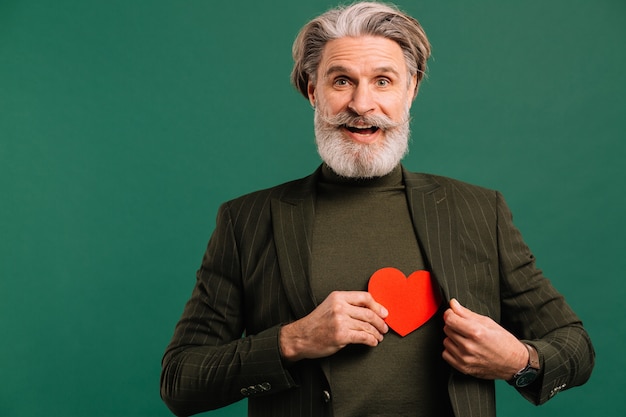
[
  {"x": 209, "y": 362},
  {"x": 536, "y": 313}
]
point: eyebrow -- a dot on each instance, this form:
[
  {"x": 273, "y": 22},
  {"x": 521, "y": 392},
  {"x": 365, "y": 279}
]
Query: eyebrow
[{"x": 341, "y": 69}]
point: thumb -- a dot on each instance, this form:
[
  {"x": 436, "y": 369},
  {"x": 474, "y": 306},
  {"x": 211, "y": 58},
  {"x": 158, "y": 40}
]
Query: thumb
[{"x": 458, "y": 308}]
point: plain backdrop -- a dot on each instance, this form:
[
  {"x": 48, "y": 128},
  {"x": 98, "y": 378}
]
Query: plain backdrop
[{"x": 125, "y": 123}]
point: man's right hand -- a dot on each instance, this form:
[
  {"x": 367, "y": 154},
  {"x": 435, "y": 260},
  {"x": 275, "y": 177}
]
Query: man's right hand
[{"x": 343, "y": 318}]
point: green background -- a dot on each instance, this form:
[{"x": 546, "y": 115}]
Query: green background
[{"x": 124, "y": 124}]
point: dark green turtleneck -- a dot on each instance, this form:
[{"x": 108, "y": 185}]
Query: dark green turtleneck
[{"x": 361, "y": 226}]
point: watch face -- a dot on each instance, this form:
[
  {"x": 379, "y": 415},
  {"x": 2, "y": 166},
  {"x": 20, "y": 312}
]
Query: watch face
[{"x": 526, "y": 378}]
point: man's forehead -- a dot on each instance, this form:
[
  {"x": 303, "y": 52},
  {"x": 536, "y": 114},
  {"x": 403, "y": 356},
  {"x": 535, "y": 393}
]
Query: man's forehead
[{"x": 373, "y": 53}]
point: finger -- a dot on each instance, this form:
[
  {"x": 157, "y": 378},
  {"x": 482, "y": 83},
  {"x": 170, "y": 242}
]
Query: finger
[
  {"x": 453, "y": 333},
  {"x": 451, "y": 353},
  {"x": 366, "y": 331},
  {"x": 457, "y": 325},
  {"x": 364, "y": 338},
  {"x": 360, "y": 307},
  {"x": 460, "y": 353},
  {"x": 365, "y": 299},
  {"x": 450, "y": 345},
  {"x": 463, "y": 311},
  {"x": 458, "y": 308},
  {"x": 454, "y": 347},
  {"x": 368, "y": 320},
  {"x": 451, "y": 316}
]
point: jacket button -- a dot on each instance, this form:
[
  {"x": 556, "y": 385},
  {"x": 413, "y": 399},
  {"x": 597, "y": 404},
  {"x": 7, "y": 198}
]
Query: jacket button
[{"x": 326, "y": 396}]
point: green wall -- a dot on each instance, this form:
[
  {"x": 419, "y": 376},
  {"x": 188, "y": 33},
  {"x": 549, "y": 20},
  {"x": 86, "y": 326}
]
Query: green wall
[{"x": 124, "y": 124}]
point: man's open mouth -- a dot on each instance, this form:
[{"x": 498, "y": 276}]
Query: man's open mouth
[{"x": 367, "y": 130}]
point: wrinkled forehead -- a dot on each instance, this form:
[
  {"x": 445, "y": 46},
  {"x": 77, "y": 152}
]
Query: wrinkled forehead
[{"x": 363, "y": 54}]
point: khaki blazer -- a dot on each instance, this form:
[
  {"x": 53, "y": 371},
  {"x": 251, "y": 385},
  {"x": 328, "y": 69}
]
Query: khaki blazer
[{"x": 254, "y": 278}]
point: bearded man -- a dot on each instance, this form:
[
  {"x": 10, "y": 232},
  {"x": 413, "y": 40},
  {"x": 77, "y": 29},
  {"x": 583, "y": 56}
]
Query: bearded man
[{"x": 297, "y": 268}]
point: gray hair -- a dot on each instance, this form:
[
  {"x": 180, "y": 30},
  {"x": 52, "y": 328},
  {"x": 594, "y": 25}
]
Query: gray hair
[{"x": 359, "y": 19}]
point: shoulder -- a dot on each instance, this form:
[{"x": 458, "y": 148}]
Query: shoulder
[
  {"x": 431, "y": 182},
  {"x": 464, "y": 198},
  {"x": 258, "y": 200}
]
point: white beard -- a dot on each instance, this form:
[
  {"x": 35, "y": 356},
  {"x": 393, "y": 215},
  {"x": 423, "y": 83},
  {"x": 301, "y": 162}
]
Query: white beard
[{"x": 359, "y": 160}]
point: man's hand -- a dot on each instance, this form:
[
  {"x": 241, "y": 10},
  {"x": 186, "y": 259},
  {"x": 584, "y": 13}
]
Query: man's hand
[
  {"x": 345, "y": 317},
  {"x": 478, "y": 346}
]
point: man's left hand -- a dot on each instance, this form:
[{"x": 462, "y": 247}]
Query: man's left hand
[{"x": 478, "y": 346}]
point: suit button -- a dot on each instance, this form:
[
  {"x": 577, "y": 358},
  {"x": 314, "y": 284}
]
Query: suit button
[{"x": 326, "y": 396}]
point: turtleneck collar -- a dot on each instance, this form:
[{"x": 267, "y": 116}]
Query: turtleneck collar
[{"x": 394, "y": 178}]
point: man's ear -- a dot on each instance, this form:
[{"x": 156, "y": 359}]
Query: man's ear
[{"x": 311, "y": 92}]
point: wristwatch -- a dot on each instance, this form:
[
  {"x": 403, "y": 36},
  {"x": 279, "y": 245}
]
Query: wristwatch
[{"x": 528, "y": 374}]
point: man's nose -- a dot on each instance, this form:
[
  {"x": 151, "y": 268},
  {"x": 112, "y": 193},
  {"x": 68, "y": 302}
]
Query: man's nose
[{"x": 362, "y": 100}]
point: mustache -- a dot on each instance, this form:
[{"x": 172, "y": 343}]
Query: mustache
[{"x": 350, "y": 118}]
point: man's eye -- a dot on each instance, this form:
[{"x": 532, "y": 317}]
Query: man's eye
[
  {"x": 340, "y": 82},
  {"x": 383, "y": 82}
]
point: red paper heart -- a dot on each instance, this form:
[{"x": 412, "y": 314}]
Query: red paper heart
[{"x": 410, "y": 301}]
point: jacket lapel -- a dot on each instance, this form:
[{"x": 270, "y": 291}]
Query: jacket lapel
[
  {"x": 292, "y": 217},
  {"x": 436, "y": 229}
]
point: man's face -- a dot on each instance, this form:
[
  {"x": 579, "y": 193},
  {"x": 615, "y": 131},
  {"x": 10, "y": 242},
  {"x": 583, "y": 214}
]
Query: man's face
[{"x": 362, "y": 96}]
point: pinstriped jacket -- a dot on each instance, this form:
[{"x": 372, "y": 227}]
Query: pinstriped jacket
[{"x": 254, "y": 278}]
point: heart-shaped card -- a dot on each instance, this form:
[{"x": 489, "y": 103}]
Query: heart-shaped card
[{"x": 411, "y": 301}]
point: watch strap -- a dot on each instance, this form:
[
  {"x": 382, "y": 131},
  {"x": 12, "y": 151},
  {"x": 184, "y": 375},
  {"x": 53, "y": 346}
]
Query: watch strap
[{"x": 533, "y": 357}]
